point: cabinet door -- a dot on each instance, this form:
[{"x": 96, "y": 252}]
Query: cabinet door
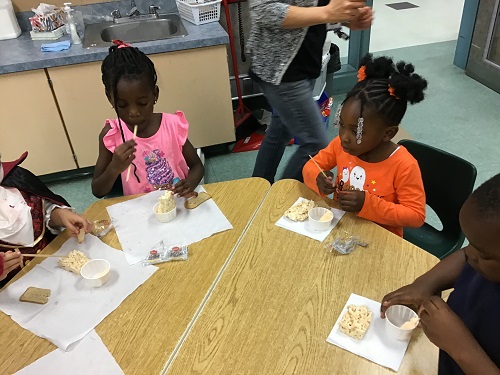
[
  {"x": 84, "y": 107},
  {"x": 30, "y": 122},
  {"x": 195, "y": 81}
]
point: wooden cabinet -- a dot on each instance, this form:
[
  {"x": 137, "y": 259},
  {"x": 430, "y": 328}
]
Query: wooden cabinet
[
  {"x": 195, "y": 81},
  {"x": 84, "y": 107},
  {"x": 30, "y": 122}
]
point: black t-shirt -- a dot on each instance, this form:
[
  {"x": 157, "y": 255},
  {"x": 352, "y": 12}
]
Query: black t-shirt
[
  {"x": 477, "y": 302},
  {"x": 307, "y": 63}
]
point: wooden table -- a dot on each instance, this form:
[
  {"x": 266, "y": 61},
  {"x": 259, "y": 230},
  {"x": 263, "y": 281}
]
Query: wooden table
[
  {"x": 281, "y": 294},
  {"x": 143, "y": 331}
]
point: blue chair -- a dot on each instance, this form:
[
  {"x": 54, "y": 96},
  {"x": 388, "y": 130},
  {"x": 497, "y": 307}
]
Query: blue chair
[{"x": 448, "y": 182}]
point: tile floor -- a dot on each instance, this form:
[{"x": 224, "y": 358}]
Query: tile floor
[
  {"x": 431, "y": 22},
  {"x": 459, "y": 114}
]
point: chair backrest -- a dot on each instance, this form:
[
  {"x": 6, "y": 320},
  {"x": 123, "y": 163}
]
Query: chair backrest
[
  {"x": 117, "y": 189},
  {"x": 448, "y": 181}
]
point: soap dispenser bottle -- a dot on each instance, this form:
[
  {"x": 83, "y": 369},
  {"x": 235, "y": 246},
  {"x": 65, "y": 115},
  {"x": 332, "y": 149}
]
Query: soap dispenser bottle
[
  {"x": 9, "y": 28},
  {"x": 71, "y": 23}
]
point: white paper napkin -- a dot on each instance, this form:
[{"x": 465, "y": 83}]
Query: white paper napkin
[
  {"x": 302, "y": 227},
  {"x": 74, "y": 309},
  {"x": 375, "y": 345},
  {"x": 139, "y": 231},
  {"x": 89, "y": 356}
]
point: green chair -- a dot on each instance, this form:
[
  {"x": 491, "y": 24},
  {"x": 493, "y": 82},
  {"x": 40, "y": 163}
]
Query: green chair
[{"x": 448, "y": 181}]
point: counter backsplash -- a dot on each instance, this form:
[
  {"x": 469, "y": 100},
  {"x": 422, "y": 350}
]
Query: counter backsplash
[{"x": 92, "y": 12}]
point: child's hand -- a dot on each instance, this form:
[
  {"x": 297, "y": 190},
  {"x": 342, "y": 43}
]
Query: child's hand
[
  {"x": 351, "y": 200},
  {"x": 183, "y": 189},
  {"x": 63, "y": 217},
  {"x": 442, "y": 326},
  {"x": 11, "y": 260},
  {"x": 411, "y": 295},
  {"x": 123, "y": 156},
  {"x": 325, "y": 185}
]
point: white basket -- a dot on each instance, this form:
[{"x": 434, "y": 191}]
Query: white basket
[{"x": 199, "y": 11}]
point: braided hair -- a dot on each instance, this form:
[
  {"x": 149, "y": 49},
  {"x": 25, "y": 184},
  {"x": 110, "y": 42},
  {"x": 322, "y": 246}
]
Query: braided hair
[
  {"x": 387, "y": 87},
  {"x": 124, "y": 61}
]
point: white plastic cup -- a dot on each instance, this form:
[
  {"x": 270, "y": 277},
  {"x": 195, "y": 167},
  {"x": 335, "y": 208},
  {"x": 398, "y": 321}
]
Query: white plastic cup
[
  {"x": 164, "y": 217},
  {"x": 395, "y": 317},
  {"x": 96, "y": 272},
  {"x": 315, "y": 216}
]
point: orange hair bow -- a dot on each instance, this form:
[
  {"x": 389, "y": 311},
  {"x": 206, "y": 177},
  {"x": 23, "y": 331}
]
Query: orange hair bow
[
  {"x": 362, "y": 73},
  {"x": 392, "y": 92}
]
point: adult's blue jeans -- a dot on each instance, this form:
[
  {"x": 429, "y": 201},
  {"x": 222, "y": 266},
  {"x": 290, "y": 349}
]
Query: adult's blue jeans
[{"x": 295, "y": 114}]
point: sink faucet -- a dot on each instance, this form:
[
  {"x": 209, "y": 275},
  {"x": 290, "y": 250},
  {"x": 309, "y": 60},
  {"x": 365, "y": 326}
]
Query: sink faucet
[
  {"x": 154, "y": 10},
  {"x": 134, "y": 12},
  {"x": 116, "y": 14}
]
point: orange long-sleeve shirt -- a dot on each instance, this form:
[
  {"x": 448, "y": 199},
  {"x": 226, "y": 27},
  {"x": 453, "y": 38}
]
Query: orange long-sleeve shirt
[{"x": 394, "y": 191}]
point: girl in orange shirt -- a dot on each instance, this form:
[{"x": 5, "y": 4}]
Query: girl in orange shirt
[{"x": 376, "y": 178}]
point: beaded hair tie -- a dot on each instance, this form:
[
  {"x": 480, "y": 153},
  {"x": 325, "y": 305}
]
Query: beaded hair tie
[{"x": 336, "y": 119}]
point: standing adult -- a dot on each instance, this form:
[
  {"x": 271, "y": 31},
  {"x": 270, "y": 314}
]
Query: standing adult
[{"x": 286, "y": 44}]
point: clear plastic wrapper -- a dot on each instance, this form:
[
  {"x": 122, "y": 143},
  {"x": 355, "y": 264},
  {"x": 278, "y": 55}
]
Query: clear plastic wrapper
[
  {"x": 345, "y": 244},
  {"x": 101, "y": 227},
  {"x": 161, "y": 253}
]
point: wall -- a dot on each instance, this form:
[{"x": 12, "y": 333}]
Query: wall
[{"x": 26, "y": 5}]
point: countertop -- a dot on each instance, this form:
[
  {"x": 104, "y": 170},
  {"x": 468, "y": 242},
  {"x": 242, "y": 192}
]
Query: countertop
[{"x": 21, "y": 54}]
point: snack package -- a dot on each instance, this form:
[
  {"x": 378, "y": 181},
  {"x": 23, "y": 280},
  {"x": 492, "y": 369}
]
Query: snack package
[
  {"x": 161, "y": 253},
  {"x": 101, "y": 227},
  {"x": 345, "y": 244}
]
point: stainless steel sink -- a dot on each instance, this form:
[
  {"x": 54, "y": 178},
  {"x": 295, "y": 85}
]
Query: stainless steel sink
[{"x": 166, "y": 26}]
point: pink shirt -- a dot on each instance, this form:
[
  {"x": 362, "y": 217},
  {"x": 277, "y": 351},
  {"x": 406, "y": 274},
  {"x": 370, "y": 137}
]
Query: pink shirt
[{"x": 158, "y": 158}]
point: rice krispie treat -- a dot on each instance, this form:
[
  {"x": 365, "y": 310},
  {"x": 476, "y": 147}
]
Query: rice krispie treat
[{"x": 356, "y": 321}]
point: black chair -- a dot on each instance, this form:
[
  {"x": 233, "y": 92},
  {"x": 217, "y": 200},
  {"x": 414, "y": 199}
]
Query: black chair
[
  {"x": 448, "y": 181},
  {"x": 116, "y": 190}
]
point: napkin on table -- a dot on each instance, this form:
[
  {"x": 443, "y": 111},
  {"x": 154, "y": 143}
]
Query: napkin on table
[
  {"x": 302, "y": 227},
  {"x": 375, "y": 345},
  {"x": 139, "y": 231},
  {"x": 74, "y": 308},
  {"x": 89, "y": 356}
]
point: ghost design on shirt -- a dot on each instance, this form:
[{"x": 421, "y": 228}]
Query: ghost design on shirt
[
  {"x": 357, "y": 178},
  {"x": 345, "y": 175}
]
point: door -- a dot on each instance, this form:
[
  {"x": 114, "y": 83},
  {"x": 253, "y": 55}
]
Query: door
[{"x": 484, "y": 58}]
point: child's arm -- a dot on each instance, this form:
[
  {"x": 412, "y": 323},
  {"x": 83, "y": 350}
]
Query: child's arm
[
  {"x": 448, "y": 332},
  {"x": 441, "y": 277},
  {"x": 409, "y": 211},
  {"x": 9, "y": 261},
  {"x": 327, "y": 160},
  {"x": 196, "y": 171},
  {"x": 110, "y": 165}
]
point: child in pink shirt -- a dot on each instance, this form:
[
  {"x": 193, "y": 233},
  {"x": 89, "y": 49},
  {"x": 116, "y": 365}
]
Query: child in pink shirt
[{"x": 160, "y": 156}]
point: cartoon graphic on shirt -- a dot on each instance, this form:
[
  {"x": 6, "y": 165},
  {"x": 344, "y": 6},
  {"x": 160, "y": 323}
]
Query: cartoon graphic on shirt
[
  {"x": 158, "y": 170},
  {"x": 357, "y": 178},
  {"x": 345, "y": 175}
]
